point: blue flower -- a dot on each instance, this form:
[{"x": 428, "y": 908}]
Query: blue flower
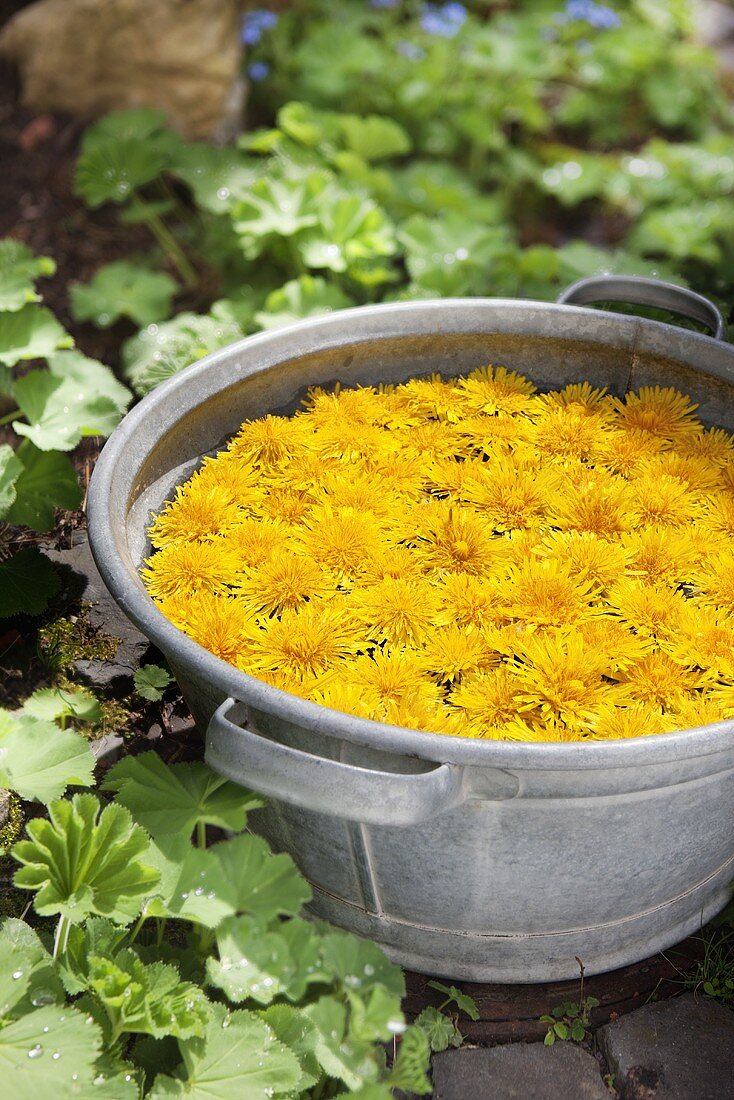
[
  {"x": 384, "y": 3},
  {"x": 410, "y": 50},
  {"x": 596, "y": 15},
  {"x": 444, "y": 21},
  {"x": 258, "y": 70},
  {"x": 254, "y": 23}
]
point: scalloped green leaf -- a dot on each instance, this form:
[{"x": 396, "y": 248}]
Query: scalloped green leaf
[
  {"x": 339, "y": 1055},
  {"x": 28, "y": 979},
  {"x": 151, "y": 681},
  {"x": 451, "y": 255},
  {"x": 306, "y": 296},
  {"x": 260, "y": 963},
  {"x": 411, "y": 1064},
  {"x": 463, "y": 1001},
  {"x": 358, "y": 964},
  {"x": 374, "y": 137},
  {"x": 10, "y": 470},
  {"x": 19, "y": 269},
  {"x": 28, "y": 581},
  {"x": 159, "y": 351},
  {"x": 91, "y": 376},
  {"x": 40, "y": 760},
  {"x": 217, "y": 177},
  {"x": 30, "y": 333},
  {"x": 72, "y": 702},
  {"x": 85, "y": 860},
  {"x": 123, "y": 289},
  {"x": 351, "y": 230},
  {"x": 171, "y": 800},
  {"x": 239, "y": 1056},
  {"x": 47, "y": 481},
  {"x": 296, "y": 1031},
  {"x": 49, "y": 1052},
  {"x": 259, "y": 882},
  {"x": 110, "y": 169},
  {"x": 59, "y": 413},
  {"x": 440, "y": 1029},
  {"x": 277, "y": 207}
]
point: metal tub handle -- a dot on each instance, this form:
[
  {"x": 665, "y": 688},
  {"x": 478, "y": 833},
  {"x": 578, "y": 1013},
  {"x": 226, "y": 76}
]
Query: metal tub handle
[
  {"x": 324, "y": 785},
  {"x": 640, "y": 291}
]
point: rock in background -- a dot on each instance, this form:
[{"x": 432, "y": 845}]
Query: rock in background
[{"x": 87, "y": 57}]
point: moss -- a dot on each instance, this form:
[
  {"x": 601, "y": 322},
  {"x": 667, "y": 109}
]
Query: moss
[
  {"x": 115, "y": 716},
  {"x": 63, "y": 641},
  {"x": 12, "y": 827}
]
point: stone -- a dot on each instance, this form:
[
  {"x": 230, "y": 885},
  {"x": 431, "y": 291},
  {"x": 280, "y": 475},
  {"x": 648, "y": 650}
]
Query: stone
[
  {"x": 518, "y": 1071},
  {"x": 679, "y": 1049},
  {"x": 87, "y": 57}
]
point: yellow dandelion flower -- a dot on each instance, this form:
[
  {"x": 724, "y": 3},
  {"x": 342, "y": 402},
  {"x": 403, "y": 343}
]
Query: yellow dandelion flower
[
  {"x": 658, "y": 555},
  {"x": 468, "y": 601},
  {"x": 489, "y": 699},
  {"x": 269, "y": 441},
  {"x": 635, "y": 720},
  {"x": 579, "y": 395},
  {"x": 715, "y": 581},
  {"x": 661, "y": 501},
  {"x": 657, "y": 678},
  {"x": 689, "y": 710},
  {"x": 453, "y": 650},
  {"x": 619, "y": 646},
  {"x": 196, "y": 513},
  {"x": 306, "y": 642},
  {"x": 722, "y": 695},
  {"x": 397, "y": 473},
  {"x": 390, "y": 677},
  {"x": 543, "y": 592},
  {"x": 694, "y": 472},
  {"x": 712, "y": 445},
  {"x": 349, "y": 442},
  {"x": 705, "y": 640},
  {"x": 561, "y": 678},
  {"x": 338, "y": 693},
  {"x": 449, "y": 477},
  {"x": 659, "y": 411},
  {"x": 718, "y": 516},
  {"x": 290, "y": 506},
  {"x": 598, "y": 505},
  {"x": 400, "y": 611},
  {"x": 361, "y": 405},
  {"x": 234, "y": 475},
  {"x": 183, "y": 568},
  {"x": 496, "y": 390},
  {"x": 253, "y": 541},
  {"x": 433, "y": 439},
  {"x": 359, "y": 491},
  {"x": 221, "y": 624},
  {"x": 454, "y": 540},
  {"x": 393, "y": 561},
  {"x": 512, "y": 497},
  {"x": 586, "y": 556},
  {"x": 624, "y": 453},
  {"x": 284, "y": 581},
  {"x": 650, "y": 610},
  {"x": 305, "y": 471},
  {"x": 175, "y": 607},
  {"x": 491, "y": 434},
  {"x": 339, "y": 539},
  {"x": 432, "y": 397},
  {"x": 566, "y": 432}
]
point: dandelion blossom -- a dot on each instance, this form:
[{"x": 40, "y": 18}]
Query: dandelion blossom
[
  {"x": 281, "y": 583},
  {"x": 496, "y": 390},
  {"x": 658, "y": 411},
  {"x": 197, "y": 513},
  {"x": 183, "y": 568},
  {"x": 397, "y": 611}
]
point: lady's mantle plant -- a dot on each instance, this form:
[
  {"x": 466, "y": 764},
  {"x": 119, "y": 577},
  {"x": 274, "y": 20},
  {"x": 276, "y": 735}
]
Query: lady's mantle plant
[{"x": 177, "y": 969}]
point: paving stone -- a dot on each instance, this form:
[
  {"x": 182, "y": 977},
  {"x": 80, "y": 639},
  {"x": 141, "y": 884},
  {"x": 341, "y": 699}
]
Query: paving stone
[
  {"x": 518, "y": 1071},
  {"x": 680, "y": 1049}
]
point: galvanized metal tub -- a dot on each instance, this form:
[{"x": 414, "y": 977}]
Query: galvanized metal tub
[{"x": 487, "y": 861}]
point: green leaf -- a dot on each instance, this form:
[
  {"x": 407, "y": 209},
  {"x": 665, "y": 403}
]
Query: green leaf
[
  {"x": 159, "y": 351},
  {"x": 147, "y": 1000},
  {"x": 368, "y": 1092},
  {"x": 358, "y": 964},
  {"x": 139, "y": 124},
  {"x": 28, "y": 581},
  {"x": 561, "y": 1030},
  {"x": 305, "y": 296},
  {"x": 374, "y": 137},
  {"x": 93, "y": 377},
  {"x": 85, "y": 860},
  {"x": 28, "y": 979},
  {"x": 351, "y": 230},
  {"x": 260, "y": 964},
  {"x": 111, "y": 169},
  {"x": 339, "y": 1055},
  {"x": 48, "y": 481},
  {"x": 217, "y": 177},
  {"x": 30, "y": 333},
  {"x": 451, "y": 255},
  {"x": 10, "y": 470},
  {"x": 239, "y": 1056},
  {"x": 277, "y": 207},
  {"x": 59, "y": 413},
  {"x": 72, "y": 702},
  {"x": 463, "y": 1001},
  {"x": 440, "y": 1029},
  {"x": 123, "y": 289},
  {"x": 375, "y": 1015},
  {"x": 578, "y": 1032},
  {"x": 171, "y": 800},
  {"x": 97, "y": 936},
  {"x": 259, "y": 882},
  {"x": 40, "y": 760},
  {"x": 295, "y": 1031},
  {"x": 550, "y": 1037},
  {"x": 411, "y": 1063},
  {"x": 49, "y": 1053},
  {"x": 151, "y": 681},
  {"x": 19, "y": 269}
]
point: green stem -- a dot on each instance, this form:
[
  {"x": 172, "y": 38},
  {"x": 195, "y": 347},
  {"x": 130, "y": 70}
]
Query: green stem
[
  {"x": 10, "y": 416},
  {"x": 201, "y": 834},
  {"x": 61, "y": 939},
  {"x": 138, "y": 925},
  {"x": 168, "y": 243}
]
